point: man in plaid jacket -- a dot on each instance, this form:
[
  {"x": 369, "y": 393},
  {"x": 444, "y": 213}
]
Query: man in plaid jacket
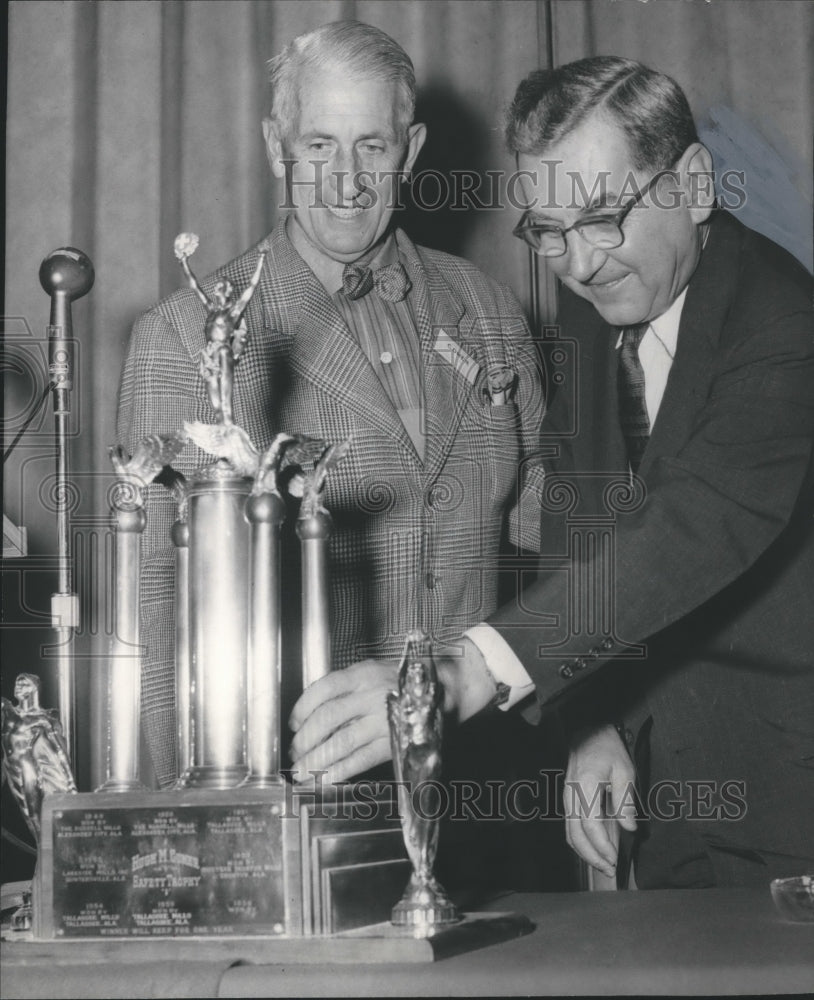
[{"x": 407, "y": 359}]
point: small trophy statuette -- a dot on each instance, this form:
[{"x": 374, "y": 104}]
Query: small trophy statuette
[
  {"x": 415, "y": 714},
  {"x": 226, "y": 332},
  {"x": 35, "y": 763},
  {"x": 35, "y": 758}
]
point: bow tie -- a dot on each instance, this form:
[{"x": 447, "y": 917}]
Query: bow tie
[{"x": 391, "y": 282}]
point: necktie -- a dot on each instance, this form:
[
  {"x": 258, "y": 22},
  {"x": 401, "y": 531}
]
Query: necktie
[
  {"x": 632, "y": 407},
  {"x": 391, "y": 281}
]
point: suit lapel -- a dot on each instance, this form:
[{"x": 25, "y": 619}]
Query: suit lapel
[
  {"x": 326, "y": 354},
  {"x": 597, "y": 449},
  {"x": 445, "y": 389},
  {"x": 692, "y": 371}
]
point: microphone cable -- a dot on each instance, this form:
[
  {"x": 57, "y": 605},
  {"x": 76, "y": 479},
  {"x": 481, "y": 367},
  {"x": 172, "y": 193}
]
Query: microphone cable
[{"x": 24, "y": 428}]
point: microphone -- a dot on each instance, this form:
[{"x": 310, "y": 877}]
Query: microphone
[{"x": 65, "y": 274}]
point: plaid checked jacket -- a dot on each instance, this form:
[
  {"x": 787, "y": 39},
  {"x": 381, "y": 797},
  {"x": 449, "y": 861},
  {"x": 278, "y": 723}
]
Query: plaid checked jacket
[{"x": 414, "y": 544}]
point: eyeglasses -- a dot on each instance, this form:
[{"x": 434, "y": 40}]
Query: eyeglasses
[{"x": 605, "y": 232}]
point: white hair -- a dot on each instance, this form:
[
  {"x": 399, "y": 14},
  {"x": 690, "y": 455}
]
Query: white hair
[{"x": 359, "y": 49}]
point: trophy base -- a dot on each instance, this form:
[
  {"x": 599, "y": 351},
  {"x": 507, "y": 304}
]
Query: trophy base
[
  {"x": 213, "y": 776},
  {"x": 202, "y": 862},
  {"x": 424, "y": 908},
  {"x": 374, "y": 944}
]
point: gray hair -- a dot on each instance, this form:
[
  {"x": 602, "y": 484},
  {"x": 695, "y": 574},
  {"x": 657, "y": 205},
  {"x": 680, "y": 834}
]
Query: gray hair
[
  {"x": 648, "y": 106},
  {"x": 358, "y": 48}
]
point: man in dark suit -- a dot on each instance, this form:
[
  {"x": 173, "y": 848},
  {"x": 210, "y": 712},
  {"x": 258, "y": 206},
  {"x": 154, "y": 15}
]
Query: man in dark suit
[
  {"x": 353, "y": 333},
  {"x": 672, "y": 621}
]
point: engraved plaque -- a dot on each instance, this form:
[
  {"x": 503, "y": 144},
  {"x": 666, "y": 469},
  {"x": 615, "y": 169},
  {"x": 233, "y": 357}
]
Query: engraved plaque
[{"x": 183, "y": 865}]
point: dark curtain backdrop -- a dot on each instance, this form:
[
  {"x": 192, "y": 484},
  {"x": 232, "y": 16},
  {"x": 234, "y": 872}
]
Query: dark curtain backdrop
[{"x": 131, "y": 121}]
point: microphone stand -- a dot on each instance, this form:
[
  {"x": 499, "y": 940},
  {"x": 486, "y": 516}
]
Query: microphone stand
[{"x": 65, "y": 274}]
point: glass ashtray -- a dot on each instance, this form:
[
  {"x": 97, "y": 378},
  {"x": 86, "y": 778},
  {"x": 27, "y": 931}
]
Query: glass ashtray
[{"x": 794, "y": 897}]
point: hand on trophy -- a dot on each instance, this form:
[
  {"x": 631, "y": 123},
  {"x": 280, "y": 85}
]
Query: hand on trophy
[{"x": 340, "y": 722}]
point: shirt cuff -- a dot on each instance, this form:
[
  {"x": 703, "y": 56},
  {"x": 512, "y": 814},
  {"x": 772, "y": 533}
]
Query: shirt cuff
[{"x": 502, "y": 663}]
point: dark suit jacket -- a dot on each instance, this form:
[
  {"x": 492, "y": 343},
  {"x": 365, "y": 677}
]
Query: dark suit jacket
[
  {"x": 415, "y": 544},
  {"x": 687, "y": 601}
]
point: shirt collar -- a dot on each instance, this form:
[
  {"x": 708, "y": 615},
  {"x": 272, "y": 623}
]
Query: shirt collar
[{"x": 665, "y": 327}]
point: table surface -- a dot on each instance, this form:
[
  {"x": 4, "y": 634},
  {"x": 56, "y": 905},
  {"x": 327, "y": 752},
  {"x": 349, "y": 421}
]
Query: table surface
[{"x": 691, "y": 942}]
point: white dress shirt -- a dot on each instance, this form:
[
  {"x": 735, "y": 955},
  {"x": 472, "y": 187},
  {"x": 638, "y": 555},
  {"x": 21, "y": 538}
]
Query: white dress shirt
[{"x": 656, "y": 353}]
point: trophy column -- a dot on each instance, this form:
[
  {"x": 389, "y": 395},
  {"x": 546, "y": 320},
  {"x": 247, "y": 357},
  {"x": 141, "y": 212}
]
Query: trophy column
[
  {"x": 218, "y": 626},
  {"x": 123, "y": 709},
  {"x": 314, "y": 530},
  {"x": 265, "y": 513},
  {"x": 123, "y": 669},
  {"x": 183, "y": 712}
]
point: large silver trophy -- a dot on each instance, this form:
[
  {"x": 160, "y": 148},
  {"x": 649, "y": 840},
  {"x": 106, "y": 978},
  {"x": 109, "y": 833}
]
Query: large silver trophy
[
  {"x": 230, "y": 513},
  {"x": 233, "y": 850}
]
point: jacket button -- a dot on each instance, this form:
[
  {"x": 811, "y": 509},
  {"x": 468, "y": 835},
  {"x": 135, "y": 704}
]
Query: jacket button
[{"x": 566, "y": 672}]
